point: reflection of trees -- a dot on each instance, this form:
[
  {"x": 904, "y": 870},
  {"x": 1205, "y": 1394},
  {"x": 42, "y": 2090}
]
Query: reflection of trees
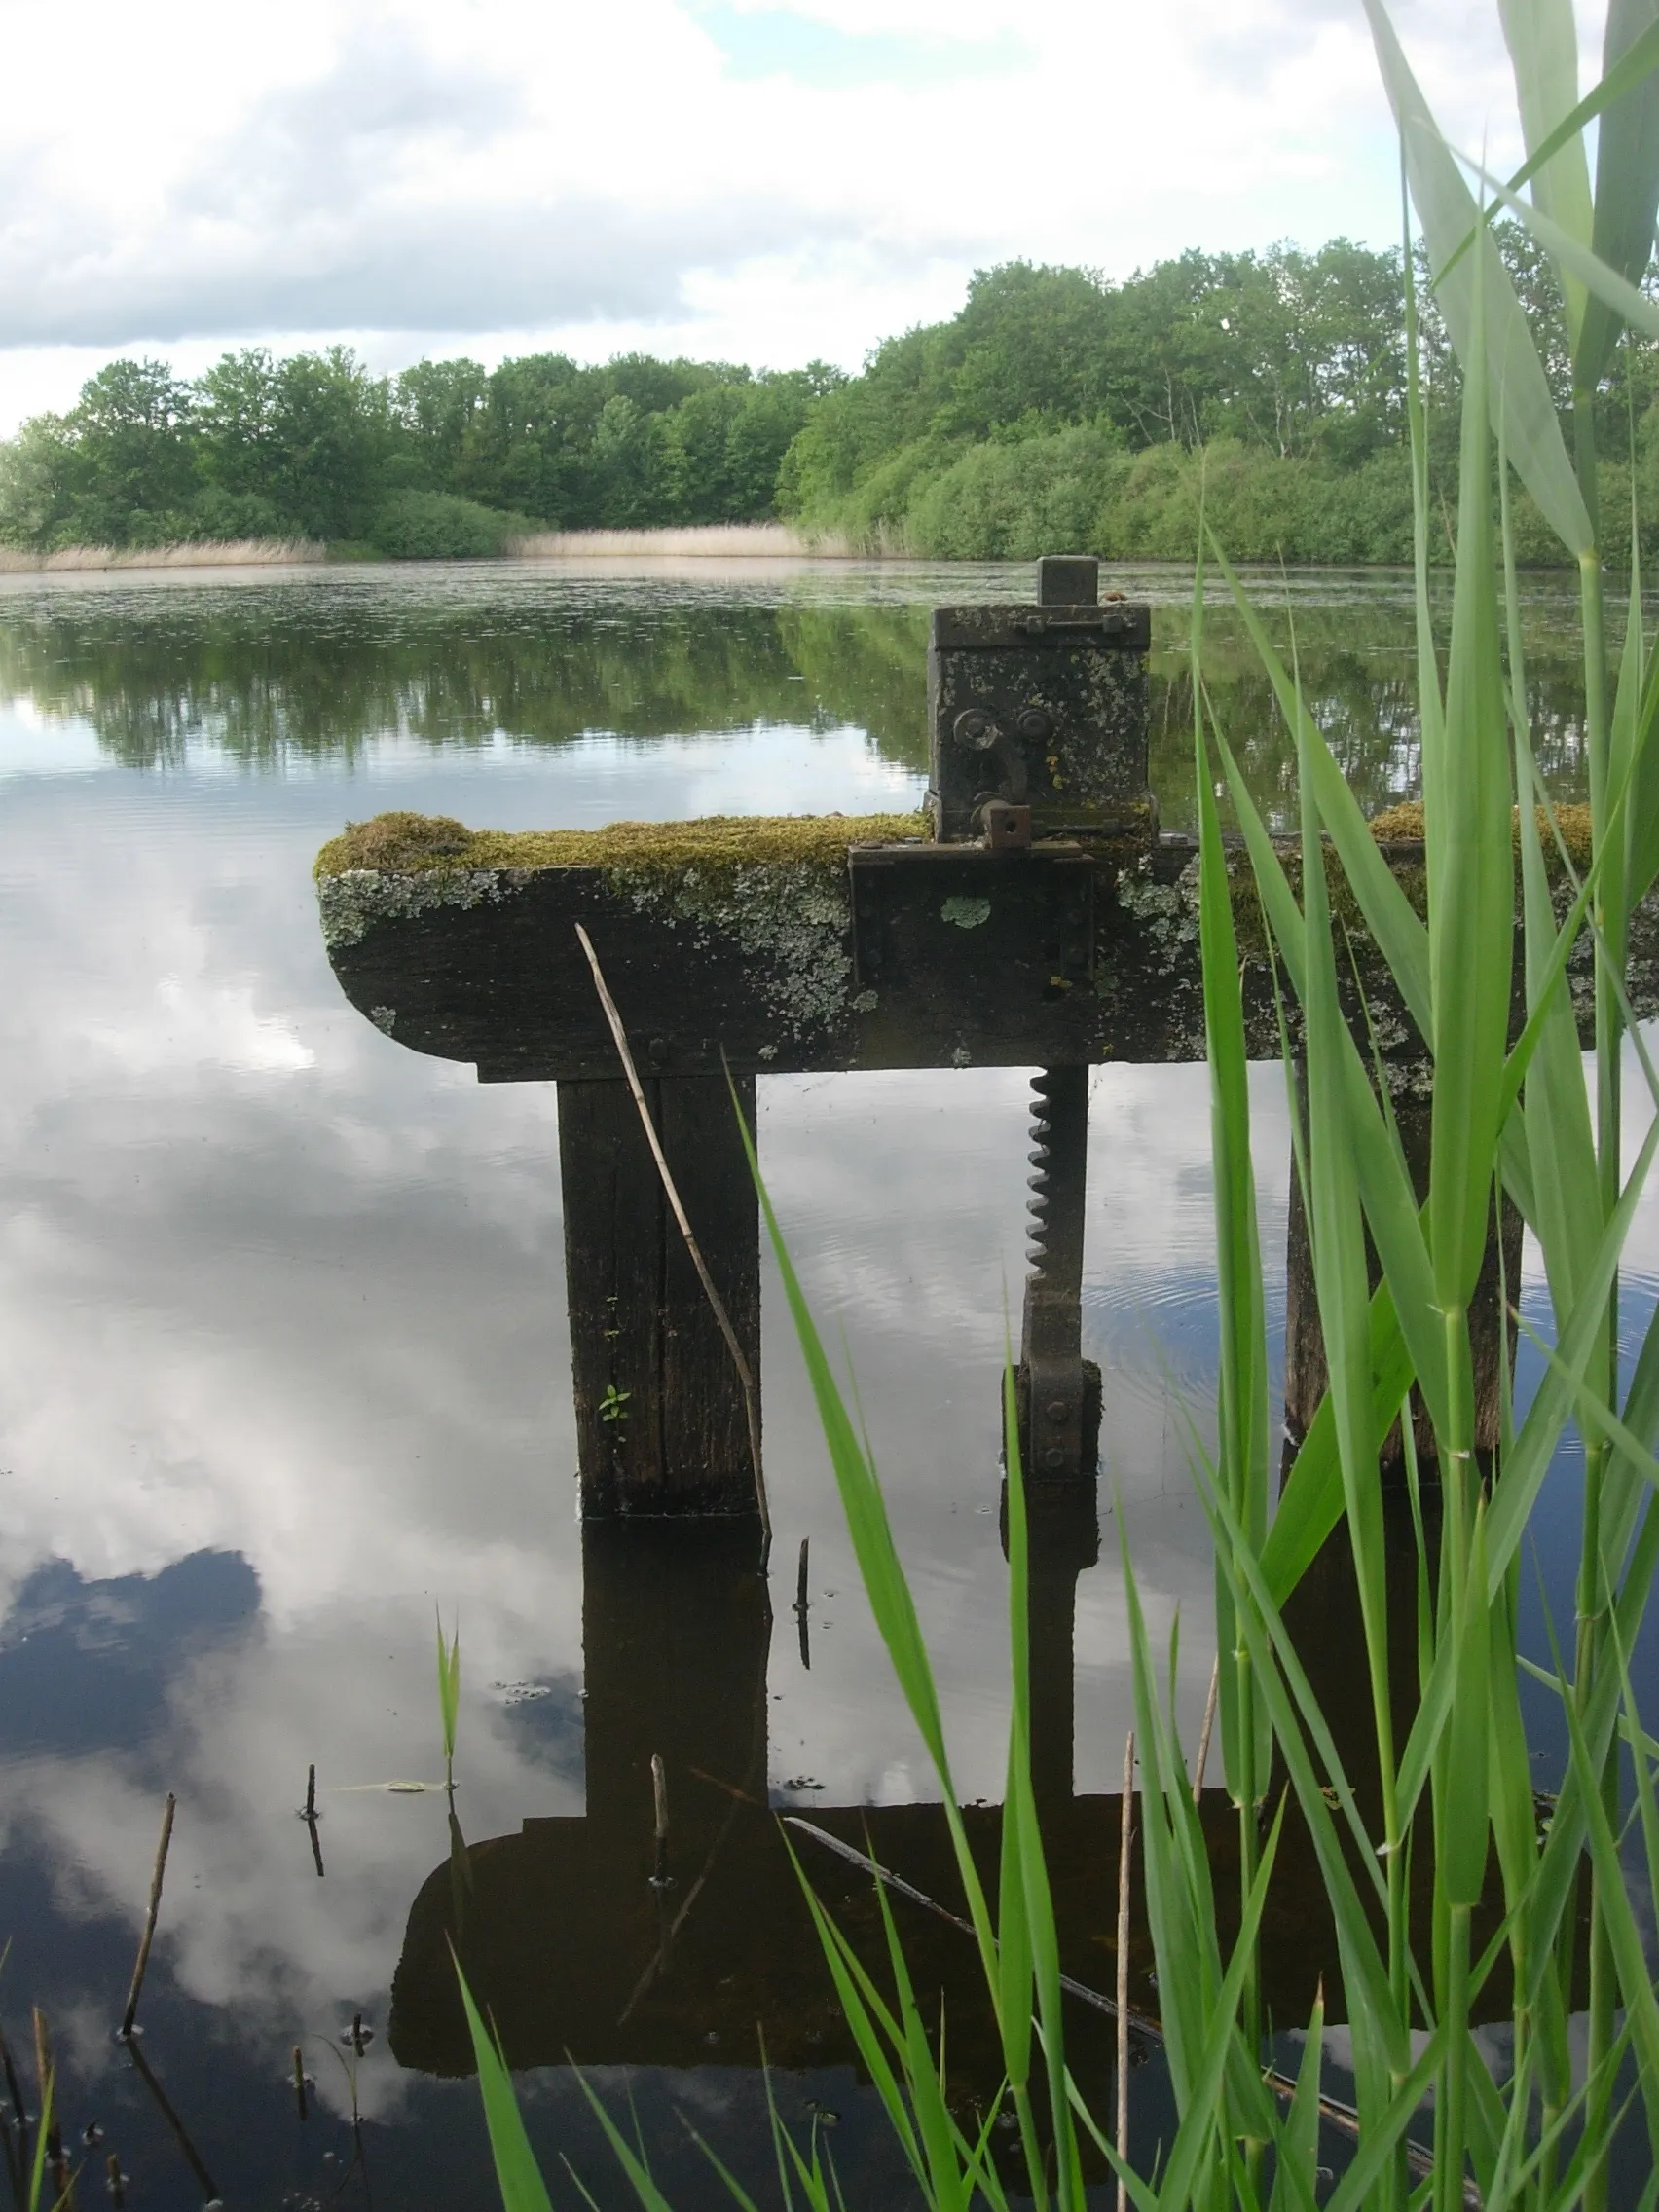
[
  {"x": 1357, "y": 666},
  {"x": 261, "y": 678},
  {"x": 266, "y": 672}
]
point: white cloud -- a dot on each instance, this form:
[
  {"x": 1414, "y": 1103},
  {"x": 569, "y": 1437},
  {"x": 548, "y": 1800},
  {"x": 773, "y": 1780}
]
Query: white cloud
[{"x": 496, "y": 175}]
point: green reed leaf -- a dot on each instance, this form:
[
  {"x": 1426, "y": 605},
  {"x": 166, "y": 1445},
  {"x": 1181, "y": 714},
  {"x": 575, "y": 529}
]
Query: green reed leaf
[
  {"x": 1242, "y": 1424},
  {"x": 1592, "y": 279},
  {"x": 1542, "y": 37},
  {"x": 1310, "y": 1500},
  {"x": 1471, "y": 879},
  {"x": 1560, "y": 1389},
  {"x": 1636, "y": 1983},
  {"x": 1296, "y": 2148},
  {"x": 1400, "y": 935},
  {"x": 449, "y": 1688},
  {"x": 1193, "y": 2138},
  {"x": 1634, "y": 67},
  {"x": 1365, "y": 1975},
  {"x": 1460, "y": 1809},
  {"x": 1512, "y": 375},
  {"x": 879, "y": 1568},
  {"x": 522, "y": 2186},
  {"x": 1627, "y": 187},
  {"x": 627, "y": 2157}
]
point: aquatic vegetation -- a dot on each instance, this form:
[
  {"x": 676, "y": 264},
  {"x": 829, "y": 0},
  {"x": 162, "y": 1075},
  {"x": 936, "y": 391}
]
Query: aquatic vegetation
[{"x": 449, "y": 1695}]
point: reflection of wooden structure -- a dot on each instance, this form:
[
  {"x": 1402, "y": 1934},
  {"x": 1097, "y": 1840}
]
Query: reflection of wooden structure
[
  {"x": 574, "y": 1952},
  {"x": 559, "y": 1927}
]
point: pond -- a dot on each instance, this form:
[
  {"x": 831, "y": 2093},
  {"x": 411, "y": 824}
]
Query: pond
[{"x": 284, "y": 1369}]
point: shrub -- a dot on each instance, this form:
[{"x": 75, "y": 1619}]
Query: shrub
[{"x": 438, "y": 526}]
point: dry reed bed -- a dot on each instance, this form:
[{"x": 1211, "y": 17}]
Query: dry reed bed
[
  {"x": 739, "y": 540},
  {"x": 211, "y": 553}
]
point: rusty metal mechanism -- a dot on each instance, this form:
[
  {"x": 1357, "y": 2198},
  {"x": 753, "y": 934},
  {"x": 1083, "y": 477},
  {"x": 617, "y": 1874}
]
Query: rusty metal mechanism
[
  {"x": 1061, "y": 1410},
  {"x": 1039, "y": 734},
  {"x": 1038, "y": 715}
]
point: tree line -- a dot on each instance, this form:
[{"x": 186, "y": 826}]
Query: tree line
[
  {"x": 447, "y": 458},
  {"x": 1054, "y": 408}
]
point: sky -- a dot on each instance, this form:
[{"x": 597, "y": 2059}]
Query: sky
[{"x": 731, "y": 179}]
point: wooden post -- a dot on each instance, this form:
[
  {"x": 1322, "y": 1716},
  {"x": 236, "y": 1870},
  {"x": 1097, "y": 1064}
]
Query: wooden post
[{"x": 660, "y": 1419}]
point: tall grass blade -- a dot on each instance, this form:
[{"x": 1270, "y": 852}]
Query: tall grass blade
[
  {"x": 1514, "y": 378},
  {"x": 522, "y": 2186},
  {"x": 448, "y": 1693},
  {"x": 1542, "y": 37},
  {"x": 1243, "y": 1438},
  {"x": 1604, "y": 288},
  {"x": 1627, "y": 187}
]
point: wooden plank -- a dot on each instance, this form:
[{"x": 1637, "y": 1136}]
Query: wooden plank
[{"x": 955, "y": 957}]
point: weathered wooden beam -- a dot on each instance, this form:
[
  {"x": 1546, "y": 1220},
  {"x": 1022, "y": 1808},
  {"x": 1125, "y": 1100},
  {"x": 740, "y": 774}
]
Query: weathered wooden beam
[{"x": 813, "y": 944}]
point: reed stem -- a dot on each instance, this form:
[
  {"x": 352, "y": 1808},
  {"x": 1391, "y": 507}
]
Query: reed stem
[
  {"x": 1125, "y": 1844},
  {"x": 148, "y": 1936}
]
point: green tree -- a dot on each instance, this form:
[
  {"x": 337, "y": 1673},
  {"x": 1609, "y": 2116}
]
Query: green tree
[
  {"x": 329, "y": 432},
  {"x": 133, "y": 469}
]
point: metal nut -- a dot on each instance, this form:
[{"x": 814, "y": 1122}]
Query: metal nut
[
  {"x": 1034, "y": 725},
  {"x": 1057, "y": 1409},
  {"x": 975, "y": 729},
  {"x": 1053, "y": 1456}
]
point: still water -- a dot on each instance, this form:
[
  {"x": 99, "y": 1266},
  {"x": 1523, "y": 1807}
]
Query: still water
[{"x": 284, "y": 1369}]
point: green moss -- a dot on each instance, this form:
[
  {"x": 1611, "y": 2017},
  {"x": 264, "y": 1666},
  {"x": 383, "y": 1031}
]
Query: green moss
[
  {"x": 1403, "y": 826},
  {"x": 1399, "y": 826},
  {"x": 409, "y": 844}
]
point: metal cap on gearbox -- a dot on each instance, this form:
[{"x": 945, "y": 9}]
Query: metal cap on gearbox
[{"x": 1068, "y": 579}]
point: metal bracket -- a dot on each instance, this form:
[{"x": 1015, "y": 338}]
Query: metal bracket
[
  {"x": 1007, "y": 827},
  {"x": 1022, "y": 911}
]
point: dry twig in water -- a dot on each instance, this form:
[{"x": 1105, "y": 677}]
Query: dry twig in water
[{"x": 149, "y": 1936}]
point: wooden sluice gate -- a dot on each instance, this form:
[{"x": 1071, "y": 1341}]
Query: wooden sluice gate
[{"x": 1033, "y": 917}]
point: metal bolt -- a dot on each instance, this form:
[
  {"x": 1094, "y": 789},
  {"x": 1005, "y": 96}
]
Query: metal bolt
[
  {"x": 1057, "y": 1409},
  {"x": 1034, "y": 723},
  {"x": 974, "y": 728},
  {"x": 1053, "y": 1456}
]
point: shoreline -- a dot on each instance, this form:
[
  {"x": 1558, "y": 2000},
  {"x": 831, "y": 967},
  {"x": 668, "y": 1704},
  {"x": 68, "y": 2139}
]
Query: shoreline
[
  {"x": 198, "y": 553},
  {"x": 735, "y": 542},
  {"x": 722, "y": 542}
]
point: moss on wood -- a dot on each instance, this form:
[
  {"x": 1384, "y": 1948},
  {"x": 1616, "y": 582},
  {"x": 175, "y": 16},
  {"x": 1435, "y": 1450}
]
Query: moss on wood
[
  {"x": 1403, "y": 826},
  {"x": 410, "y": 844}
]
